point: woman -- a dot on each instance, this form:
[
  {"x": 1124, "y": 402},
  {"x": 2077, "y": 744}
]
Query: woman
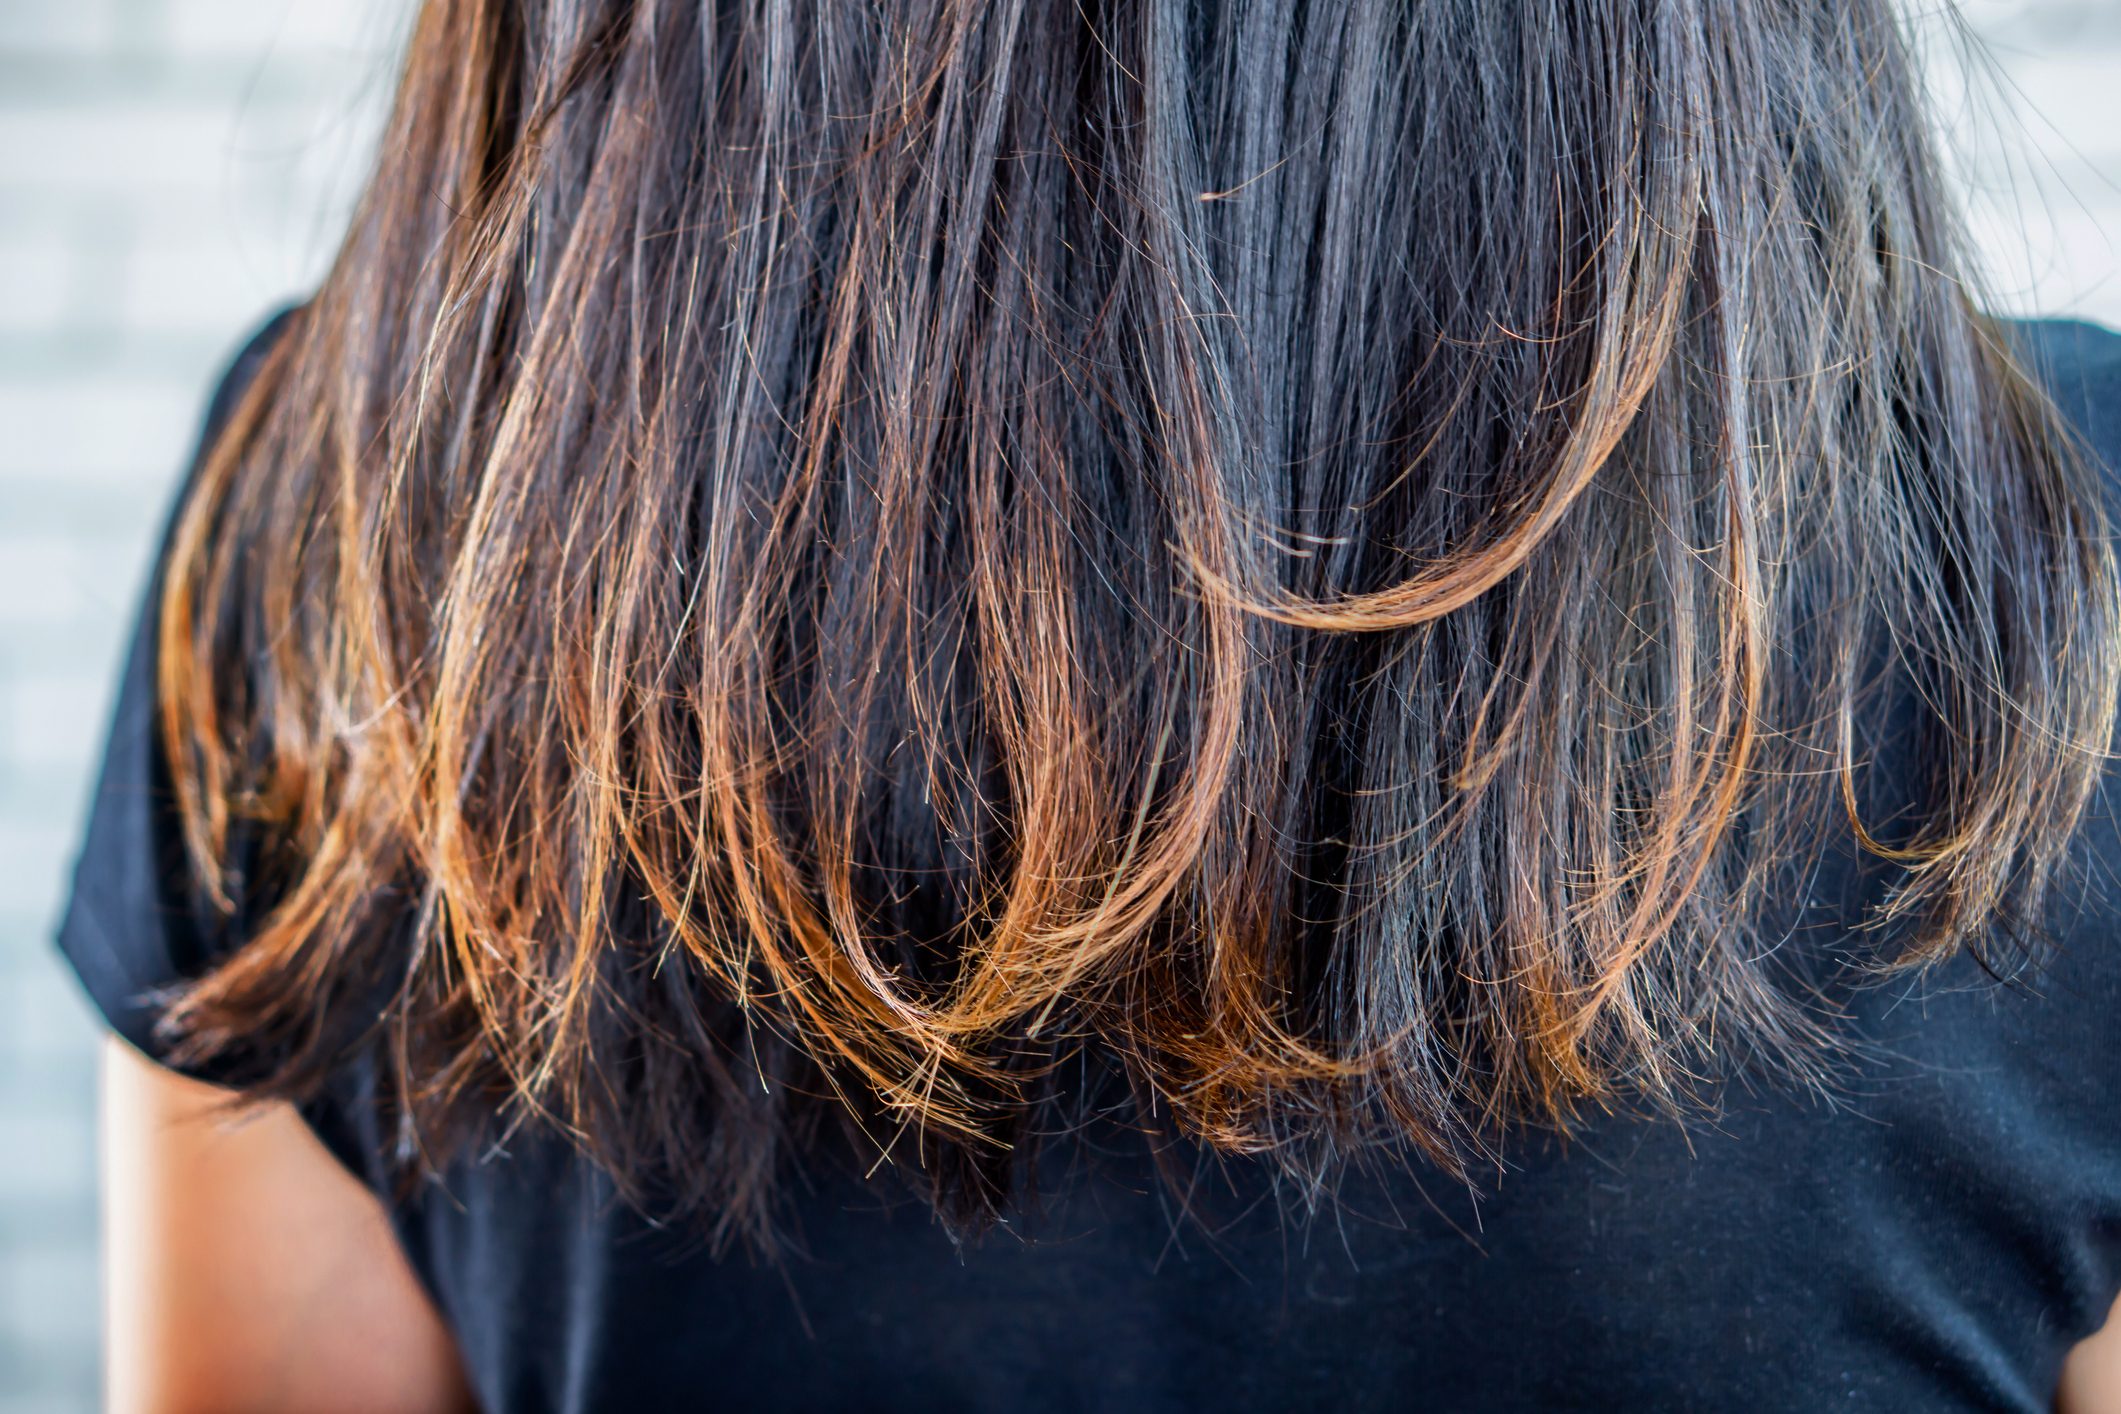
[{"x": 1126, "y": 706}]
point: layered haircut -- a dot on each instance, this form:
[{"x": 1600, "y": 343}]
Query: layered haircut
[{"x": 1334, "y": 556}]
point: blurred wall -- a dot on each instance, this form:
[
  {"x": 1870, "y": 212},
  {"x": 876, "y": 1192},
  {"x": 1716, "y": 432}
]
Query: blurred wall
[
  {"x": 171, "y": 169},
  {"x": 2032, "y": 122}
]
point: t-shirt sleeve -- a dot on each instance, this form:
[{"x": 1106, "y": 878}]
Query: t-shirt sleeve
[{"x": 133, "y": 925}]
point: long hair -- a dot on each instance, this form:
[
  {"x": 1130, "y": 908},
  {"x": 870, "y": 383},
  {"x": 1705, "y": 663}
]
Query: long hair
[{"x": 1333, "y": 556}]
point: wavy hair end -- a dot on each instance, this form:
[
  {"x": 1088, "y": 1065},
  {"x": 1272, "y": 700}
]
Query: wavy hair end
[{"x": 1340, "y": 558}]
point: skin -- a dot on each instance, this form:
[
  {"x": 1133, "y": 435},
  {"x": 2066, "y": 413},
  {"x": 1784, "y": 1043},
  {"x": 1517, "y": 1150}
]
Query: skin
[
  {"x": 2091, "y": 1381},
  {"x": 245, "y": 1269}
]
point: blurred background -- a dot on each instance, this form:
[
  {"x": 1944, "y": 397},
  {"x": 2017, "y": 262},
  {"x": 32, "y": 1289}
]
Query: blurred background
[{"x": 171, "y": 170}]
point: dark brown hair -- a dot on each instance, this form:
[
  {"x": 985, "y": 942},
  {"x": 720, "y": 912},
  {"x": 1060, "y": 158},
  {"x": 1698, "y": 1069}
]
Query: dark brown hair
[{"x": 1335, "y": 556}]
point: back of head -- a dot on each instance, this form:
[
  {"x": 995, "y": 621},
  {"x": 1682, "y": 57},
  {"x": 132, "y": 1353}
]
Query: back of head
[{"x": 1332, "y": 555}]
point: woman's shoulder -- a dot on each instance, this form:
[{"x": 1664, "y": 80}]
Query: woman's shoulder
[
  {"x": 2079, "y": 363},
  {"x": 132, "y": 926}
]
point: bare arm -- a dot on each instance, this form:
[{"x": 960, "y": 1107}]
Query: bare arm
[
  {"x": 245, "y": 1269},
  {"x": 2091, "y": 1381}
]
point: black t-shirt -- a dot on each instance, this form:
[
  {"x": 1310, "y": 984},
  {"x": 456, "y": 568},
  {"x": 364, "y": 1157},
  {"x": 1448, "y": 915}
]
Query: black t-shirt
[{"x": 1936, "y": 1235}]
